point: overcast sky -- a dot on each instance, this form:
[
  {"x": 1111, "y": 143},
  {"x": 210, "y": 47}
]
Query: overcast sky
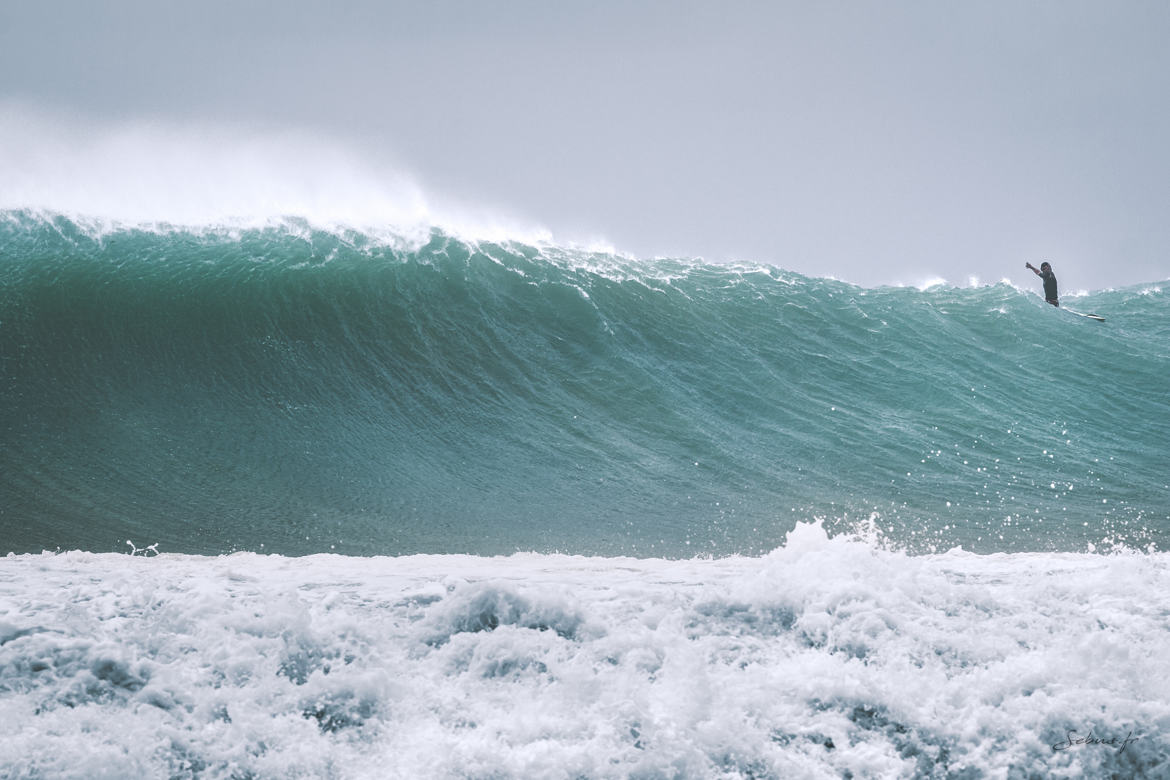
[{"x": 876, "y": 142}]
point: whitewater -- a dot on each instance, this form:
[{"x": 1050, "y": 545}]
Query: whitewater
[
  {"x": 281, "y": 499},
  {"x": 825, "y": 658}
]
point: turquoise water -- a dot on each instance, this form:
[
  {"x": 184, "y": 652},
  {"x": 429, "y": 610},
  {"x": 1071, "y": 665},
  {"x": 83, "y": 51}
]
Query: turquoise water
[
  {"x": 294, "y": 390},
  {"x": 714, "y": 515}
]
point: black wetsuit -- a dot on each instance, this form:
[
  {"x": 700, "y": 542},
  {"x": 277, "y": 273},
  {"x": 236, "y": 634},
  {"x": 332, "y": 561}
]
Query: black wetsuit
[{"x": 1050, "y": 287}]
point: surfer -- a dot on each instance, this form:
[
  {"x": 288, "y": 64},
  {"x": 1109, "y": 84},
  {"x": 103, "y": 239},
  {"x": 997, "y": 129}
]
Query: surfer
[{"x": 1045, "y": 273}]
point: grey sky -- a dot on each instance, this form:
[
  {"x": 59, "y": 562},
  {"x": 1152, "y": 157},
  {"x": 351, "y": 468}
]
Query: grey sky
[{"x": 878, "y": 142}]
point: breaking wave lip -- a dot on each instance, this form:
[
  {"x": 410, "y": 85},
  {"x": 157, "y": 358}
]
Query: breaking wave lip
[
  {"x": 153, "y": 174},
  {"x": 596, "y": 256}
]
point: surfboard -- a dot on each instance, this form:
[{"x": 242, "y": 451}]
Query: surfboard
[{"x": 1086, "y": 316}]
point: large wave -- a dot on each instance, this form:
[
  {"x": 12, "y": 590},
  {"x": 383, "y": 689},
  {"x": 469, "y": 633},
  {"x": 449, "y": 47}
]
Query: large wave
[{"x": 291, "y": 388}]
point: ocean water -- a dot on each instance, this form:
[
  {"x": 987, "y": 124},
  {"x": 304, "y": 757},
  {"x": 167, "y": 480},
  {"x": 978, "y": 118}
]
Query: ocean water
[{"x": 281, "y": 500}]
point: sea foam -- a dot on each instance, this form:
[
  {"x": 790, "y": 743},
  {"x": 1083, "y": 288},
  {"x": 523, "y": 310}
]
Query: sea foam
[{"x": 828, "y": 657}]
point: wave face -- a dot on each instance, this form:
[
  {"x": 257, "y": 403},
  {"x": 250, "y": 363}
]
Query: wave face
[{"x": 292, "y": 389}]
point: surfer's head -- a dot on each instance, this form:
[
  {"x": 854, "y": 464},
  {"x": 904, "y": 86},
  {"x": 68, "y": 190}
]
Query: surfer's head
[{"x": 1045, "y": 266}]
